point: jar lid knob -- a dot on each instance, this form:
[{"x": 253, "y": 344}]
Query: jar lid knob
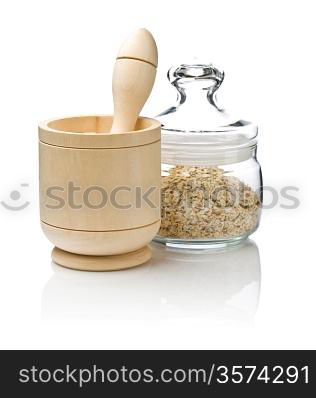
[{"x": 206, "y": 75}]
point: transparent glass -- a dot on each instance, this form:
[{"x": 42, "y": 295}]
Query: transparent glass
[{"x": 211, "y": 179}]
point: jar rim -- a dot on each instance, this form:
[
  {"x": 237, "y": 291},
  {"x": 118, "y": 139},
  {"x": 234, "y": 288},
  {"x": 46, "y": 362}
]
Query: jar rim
[{"x": 189, "y": 150}]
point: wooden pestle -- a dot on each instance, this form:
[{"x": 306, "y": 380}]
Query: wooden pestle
[{"x": 133, "y": 79}]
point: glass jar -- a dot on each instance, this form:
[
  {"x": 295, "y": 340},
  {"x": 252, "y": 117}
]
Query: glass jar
[{"x": 211, "y": 179}]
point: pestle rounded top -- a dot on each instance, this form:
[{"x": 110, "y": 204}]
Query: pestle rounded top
[{"x": 140, "y": 45}]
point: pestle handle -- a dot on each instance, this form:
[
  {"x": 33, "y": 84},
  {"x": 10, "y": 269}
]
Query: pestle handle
[{"x": 133, "y": 79}]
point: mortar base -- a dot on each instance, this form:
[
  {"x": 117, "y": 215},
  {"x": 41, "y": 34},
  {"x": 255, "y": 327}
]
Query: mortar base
[{"x": 101, "y": 263}]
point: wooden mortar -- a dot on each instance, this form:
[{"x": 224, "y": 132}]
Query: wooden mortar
[{"x": 93, "y": 185}]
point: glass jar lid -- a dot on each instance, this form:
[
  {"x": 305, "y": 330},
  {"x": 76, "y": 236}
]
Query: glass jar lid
[{"x": 196, "y": 131}]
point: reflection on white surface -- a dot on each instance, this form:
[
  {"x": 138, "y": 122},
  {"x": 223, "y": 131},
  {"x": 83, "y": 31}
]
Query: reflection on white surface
[{"x": 222, "y": 285}]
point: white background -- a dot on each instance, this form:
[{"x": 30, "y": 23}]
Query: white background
[{"x": 56, "y": 60}]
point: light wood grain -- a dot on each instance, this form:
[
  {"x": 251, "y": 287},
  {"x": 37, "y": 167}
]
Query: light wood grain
[
  {"x": 133, "y": 79},
  {"x": 100, "y": 243},
  {"x": 101, "y": 263},
  {"x": 108, "y": 229},
  {"x": 93, "y": 132},
  {"x": 140, "y": 45},
  {"x": 132, "y": 83}
]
